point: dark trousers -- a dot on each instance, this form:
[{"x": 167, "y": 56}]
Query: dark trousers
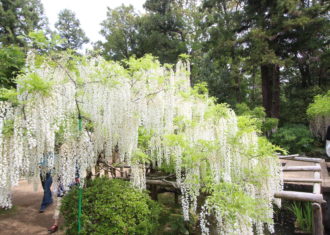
[{"x": 46, "y": 182}]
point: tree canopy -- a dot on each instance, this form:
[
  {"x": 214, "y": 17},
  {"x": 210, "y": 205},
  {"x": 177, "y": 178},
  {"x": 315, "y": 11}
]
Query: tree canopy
[
  {"x": 19, "y": 18},
  {"x": 68, "y": 27},
  {"x": 120, "y": 31}
]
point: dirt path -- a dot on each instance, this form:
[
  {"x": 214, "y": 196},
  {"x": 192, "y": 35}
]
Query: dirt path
[{"x": 25, "y": 218}]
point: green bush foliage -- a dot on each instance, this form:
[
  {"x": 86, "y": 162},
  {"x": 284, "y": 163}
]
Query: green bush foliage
[
  {"x": 111, "y": 207},
  {"x": 296, "y": 138},
  {"x": 259, "y": 117}
]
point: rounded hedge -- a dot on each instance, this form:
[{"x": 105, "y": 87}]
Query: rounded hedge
[{"x": 110, "y": 206}]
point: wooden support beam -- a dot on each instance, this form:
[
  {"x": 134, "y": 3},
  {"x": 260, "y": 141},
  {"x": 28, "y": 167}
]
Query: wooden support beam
[
  {"x": 308, "y": 159},
  {"x": 288, "y": 156},
  {"x": 300, "y": 196},
  {"x": 165, "y": 183},
  {"x": 318, "y": 228},
  {"x": 303, "y": 180},
  {"x": 317, "y": 186},
  {"x": 302, "y": 168},
  {"x": 325, "y": 177},
  {"x": 305, "y": 159}
]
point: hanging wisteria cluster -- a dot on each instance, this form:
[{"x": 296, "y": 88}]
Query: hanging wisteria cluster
[{"x": 68, "y": 111}]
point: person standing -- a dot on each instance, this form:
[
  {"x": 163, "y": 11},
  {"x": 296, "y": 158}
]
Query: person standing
[{"x": 46, "y": 181}]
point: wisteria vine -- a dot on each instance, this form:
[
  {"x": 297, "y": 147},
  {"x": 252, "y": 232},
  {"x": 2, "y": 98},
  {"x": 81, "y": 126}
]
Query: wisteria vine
[{"x": 218, "y": 159}]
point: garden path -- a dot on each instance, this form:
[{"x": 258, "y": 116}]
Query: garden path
[{"x": 24, "y": 218}]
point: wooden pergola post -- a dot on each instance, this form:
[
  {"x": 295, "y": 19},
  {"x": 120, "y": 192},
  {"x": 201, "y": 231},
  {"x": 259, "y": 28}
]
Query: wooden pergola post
[
  {"x": 318, "y": 228},
  {"x": 317, "y": 219}
]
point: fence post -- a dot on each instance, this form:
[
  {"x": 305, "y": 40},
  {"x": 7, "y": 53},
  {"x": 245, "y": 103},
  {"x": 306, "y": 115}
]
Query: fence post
[{"x": 317, "y": 219}]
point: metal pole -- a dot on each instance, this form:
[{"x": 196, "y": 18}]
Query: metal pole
[{"x": 80, "y": 189}]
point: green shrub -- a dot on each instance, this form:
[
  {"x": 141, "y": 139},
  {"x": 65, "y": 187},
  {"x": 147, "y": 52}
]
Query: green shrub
[
  {"x": 296, "y": 138},
  {"x": 111, "y": 207},
  {"x": 269, "y": 124},
  {"x": 258, "y": 114}
]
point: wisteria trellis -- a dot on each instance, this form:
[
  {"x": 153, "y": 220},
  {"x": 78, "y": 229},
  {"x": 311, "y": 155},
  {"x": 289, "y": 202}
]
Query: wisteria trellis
[{"x": 203, "y": 140}]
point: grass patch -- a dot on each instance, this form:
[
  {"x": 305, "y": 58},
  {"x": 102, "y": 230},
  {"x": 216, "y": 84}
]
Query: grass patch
[
  {"x": 304, "y": 215},
  {"x": 8, "y": 211}
]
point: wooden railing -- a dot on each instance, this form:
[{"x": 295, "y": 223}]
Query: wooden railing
[{"x": 316, "y": 198}]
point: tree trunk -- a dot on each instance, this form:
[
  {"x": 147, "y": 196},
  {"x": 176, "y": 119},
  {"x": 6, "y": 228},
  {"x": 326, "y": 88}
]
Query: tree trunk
[
  {"x": 305, "y": 75},
  {"x": 154, "y": 192},
  {"x": 270, "y": 78},
  {"x": 322, "y": 78}
]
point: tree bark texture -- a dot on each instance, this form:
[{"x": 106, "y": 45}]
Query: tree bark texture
[{"x": 270, "y": 78}]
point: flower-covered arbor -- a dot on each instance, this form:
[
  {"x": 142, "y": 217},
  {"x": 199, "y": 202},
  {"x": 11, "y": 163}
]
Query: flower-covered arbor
[{"x": 74, "y": 108}]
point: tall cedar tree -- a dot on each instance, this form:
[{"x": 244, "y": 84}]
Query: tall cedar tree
[
  {"x": 18, "y": 18},
  {"x": 162, "y": 30},
  {"x": 222, "y": 64},
  {"x": 276, "y": 36},
  {"x": 120, "y": 30},
  {"x": 68, "y": 27}
]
